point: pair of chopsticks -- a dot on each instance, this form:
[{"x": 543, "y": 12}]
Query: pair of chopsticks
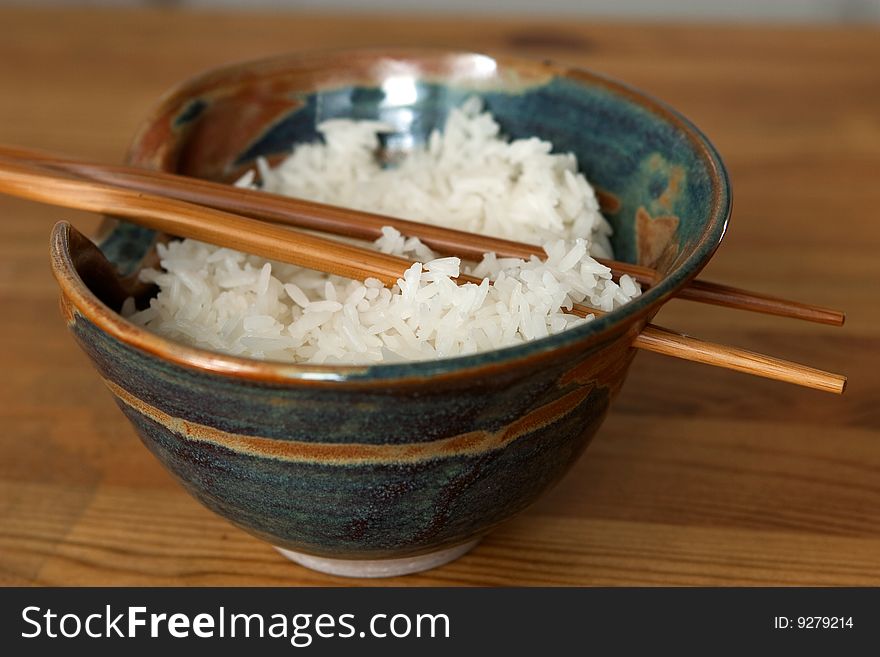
[{"x": 259, "y": 223}]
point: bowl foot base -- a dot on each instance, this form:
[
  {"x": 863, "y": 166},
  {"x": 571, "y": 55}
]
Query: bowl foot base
[{"x": 379, "y": 567}]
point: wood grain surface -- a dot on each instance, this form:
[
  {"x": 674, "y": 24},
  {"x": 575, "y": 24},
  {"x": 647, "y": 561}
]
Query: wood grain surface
[{"x": 699, "y": 476}]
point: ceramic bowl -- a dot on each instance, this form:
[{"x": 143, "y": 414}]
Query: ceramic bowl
[{"x": 393, "y": 468}]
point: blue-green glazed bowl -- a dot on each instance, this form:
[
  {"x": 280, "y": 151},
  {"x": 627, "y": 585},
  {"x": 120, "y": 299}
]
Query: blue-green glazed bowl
[{"x": 393, "y": 468}]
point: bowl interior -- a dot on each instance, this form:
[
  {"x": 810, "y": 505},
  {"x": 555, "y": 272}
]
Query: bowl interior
[{"x": 660, "y": 182}]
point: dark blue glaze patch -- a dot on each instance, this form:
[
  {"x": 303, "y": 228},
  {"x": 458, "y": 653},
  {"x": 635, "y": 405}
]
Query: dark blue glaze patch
[{"x": 191, "y": 112}]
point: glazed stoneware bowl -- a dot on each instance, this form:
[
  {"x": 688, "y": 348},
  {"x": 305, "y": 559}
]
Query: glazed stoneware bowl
[{"x": 392, "y": 468}]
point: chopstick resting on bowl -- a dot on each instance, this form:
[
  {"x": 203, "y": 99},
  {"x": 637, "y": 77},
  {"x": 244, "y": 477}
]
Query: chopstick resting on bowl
[
  {"x": 39, "y": 183},
  {"x": 346, "y": 222}
]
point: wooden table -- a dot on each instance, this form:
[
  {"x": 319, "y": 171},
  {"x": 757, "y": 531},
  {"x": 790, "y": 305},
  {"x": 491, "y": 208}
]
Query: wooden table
[{"x": 699, "y": 476}]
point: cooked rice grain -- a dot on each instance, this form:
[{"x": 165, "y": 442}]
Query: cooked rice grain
[{"x": 466, "y": 177}]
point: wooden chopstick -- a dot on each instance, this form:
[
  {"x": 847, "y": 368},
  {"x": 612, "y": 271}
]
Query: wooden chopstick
[
  {"x": 34, "y": 182},
  {"x": 669, "y": 343},
  {"x": 321, "y": 217},
  {"x": 732, "y": 297},
  {"x": 206, "y": 224}
]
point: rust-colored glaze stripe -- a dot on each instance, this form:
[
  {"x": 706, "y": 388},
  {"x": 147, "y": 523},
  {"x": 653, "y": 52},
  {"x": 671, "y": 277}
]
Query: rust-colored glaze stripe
[{"x": 472, "y": 443}]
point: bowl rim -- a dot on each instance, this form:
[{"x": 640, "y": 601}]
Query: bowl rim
[{"x": 633, "y": 314}]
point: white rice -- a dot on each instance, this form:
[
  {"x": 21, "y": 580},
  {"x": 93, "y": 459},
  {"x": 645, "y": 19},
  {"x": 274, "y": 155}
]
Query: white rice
[{"x": 467, "y": 177}]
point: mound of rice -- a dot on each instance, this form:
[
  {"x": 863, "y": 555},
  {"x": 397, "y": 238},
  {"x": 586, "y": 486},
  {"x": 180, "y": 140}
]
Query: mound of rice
[{"x": 467, "y": 177}]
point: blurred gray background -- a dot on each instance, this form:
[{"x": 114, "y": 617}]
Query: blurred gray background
[{"x": 848, "y": 11}]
